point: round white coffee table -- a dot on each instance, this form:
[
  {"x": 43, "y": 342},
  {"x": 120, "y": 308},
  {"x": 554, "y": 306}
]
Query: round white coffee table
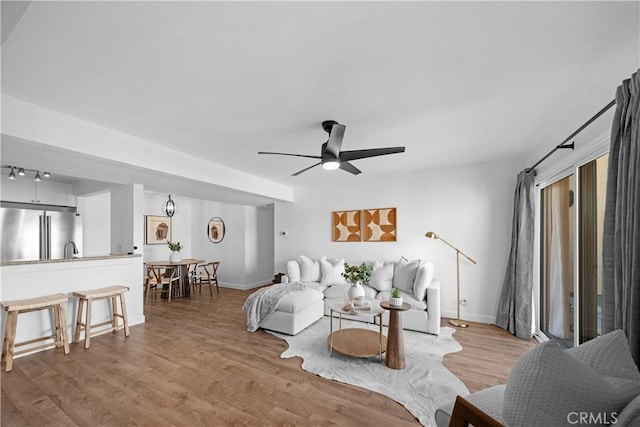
[{"x": 356, "y": 342}]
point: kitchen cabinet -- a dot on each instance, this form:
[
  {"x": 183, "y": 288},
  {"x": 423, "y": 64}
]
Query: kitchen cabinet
[{"x": 26, "y": 190}]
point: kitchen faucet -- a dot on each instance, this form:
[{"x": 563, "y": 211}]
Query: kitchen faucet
[{"x": 73, "y": 247}]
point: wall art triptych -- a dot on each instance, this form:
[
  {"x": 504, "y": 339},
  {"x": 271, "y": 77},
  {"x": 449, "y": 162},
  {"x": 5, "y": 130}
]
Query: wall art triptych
[{"x": 367, "y": 225}]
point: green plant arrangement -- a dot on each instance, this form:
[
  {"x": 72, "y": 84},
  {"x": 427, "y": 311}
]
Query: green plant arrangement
[
  {"x": 175, "y": 247},
  {"x": 395, "y": 293},
  {"x": 355, "y": 273}
]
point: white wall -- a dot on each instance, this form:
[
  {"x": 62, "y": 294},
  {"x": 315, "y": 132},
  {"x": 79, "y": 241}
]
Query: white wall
[
  {"x": 181, "y": 226},
  {"x": 96, "y": 223},
  {"x": 469, "y": 206},
  {"x": 245, "y": 253}
]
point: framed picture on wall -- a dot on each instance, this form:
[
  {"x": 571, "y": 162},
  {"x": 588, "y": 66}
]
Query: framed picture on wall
[
  {"x": 157, "y": 230},
  {"x": 215, "y": 230},
  {"x": 379, "y": 225},
  {"x": 346, "y": 226}
]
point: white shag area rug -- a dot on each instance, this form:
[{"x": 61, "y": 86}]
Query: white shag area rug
[{"x": 421, "y": 387}]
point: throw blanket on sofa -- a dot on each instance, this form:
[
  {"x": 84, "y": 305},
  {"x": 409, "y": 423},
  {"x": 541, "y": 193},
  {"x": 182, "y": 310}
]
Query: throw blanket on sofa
[{"x": 263, "y": 303}]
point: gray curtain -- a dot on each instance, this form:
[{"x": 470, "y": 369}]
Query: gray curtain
[
  {"x": 621, "y": 244},
  {"x": 514, "y": 307}
]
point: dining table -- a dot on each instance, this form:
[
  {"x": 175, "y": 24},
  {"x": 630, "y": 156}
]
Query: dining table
[{"x": 183, "y": 266}]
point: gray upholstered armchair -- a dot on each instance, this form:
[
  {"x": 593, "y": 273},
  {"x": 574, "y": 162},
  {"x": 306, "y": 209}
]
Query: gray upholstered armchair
[{"x": 596, "y": 383}]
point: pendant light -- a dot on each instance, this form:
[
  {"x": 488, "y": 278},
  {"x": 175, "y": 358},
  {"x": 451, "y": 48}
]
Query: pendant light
[
  {"x": 12, "y": 174},
  {"x": 37, "y": 178},
  {"x": 170, "y": 208}
]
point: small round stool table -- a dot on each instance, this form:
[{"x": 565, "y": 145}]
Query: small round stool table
[{"x": 394, "y": 358}]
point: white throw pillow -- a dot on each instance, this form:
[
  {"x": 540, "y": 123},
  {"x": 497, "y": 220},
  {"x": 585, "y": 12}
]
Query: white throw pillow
[
  {"x": 547, "y": 384},
  {"x": 293, "y": 271},
  {"x": 424, "y": 276},
  {"x": 331, "y": 271},
  {"x": 382, "y": 277},
  {"x": 309, "y": 269},
  {"x": 405, "y": 274}
]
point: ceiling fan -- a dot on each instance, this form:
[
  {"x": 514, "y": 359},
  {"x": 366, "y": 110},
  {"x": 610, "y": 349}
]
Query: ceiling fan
[{"x": 330, "y": 155}]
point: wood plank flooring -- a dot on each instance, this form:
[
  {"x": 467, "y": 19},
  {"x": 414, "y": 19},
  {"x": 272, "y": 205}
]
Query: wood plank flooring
[{"x": 193, "y": 364}]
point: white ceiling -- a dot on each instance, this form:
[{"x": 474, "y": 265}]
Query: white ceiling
[{"x": 454, "y": 82}]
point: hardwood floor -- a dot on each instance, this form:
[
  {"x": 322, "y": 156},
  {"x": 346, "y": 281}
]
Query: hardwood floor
[{"x": 193, "y": 363}]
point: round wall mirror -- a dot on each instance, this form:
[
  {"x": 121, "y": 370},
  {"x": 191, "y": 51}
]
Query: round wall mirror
[{"x": 215, "y": 230}]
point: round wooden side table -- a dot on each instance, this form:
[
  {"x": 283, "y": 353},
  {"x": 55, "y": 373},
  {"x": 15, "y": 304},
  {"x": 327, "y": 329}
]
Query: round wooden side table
[{"x": 394, "y": 358}]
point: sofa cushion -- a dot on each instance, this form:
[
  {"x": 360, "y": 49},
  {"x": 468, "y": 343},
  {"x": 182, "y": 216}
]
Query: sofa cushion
[
  {"x": 406, "y": 297},
  {"x": 337, "y": 291},
  {"x": 630, "y": 415},
  {"x": 424, "y": 276},
  {"x": 309, "y": 269},
  {"x": 382, "y": 277},
  {"x": 547, "y": 384},
  {"x": 298, "y": 301},
  {"x": 331, "y": 271},
  {"x": 405, "y": 274},
  {"x": 293, "y": 271},
  {"x": 340, "y": 291},
  {"x": 488, "y": 400}
]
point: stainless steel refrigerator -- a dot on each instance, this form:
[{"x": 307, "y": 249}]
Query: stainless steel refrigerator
[{"x": 31, "y": 232}]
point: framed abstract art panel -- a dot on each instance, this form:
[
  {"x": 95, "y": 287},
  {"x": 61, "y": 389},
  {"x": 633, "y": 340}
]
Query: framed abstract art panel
[
  {"x": 347, "y": 226},
  {"x": 379, "y": 225}
]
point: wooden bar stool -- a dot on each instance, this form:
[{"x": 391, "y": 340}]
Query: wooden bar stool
[
  {"x": 111, "y": 292},
  {"x": 13, "y": 308}
]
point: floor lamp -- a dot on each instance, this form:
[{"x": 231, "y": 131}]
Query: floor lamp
[{"x": 431, "y": 235}]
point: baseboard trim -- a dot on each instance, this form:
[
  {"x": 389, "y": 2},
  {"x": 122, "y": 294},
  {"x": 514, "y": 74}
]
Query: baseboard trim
[
  {"x": 480, "y": 318},
  {"x": 243, "y": 287}
]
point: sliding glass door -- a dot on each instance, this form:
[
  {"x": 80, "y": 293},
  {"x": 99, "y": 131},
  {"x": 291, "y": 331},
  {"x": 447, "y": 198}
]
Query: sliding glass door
[
  {"x": 593, "y": 181},
  {"x": 557, "y": 203},
  {"x": 571, "y": 255}
]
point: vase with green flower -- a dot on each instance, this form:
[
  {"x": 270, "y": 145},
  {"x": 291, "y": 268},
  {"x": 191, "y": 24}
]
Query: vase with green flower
[
  {"x": 175, "y": 251},
  {"x": 357, "y": 275}
]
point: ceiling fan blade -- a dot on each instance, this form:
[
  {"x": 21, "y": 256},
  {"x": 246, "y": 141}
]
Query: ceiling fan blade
[
  {"x": 335, "y": 139},
  {"x": 346, "y": 156},
  {"x": 290, "y": 154},
  {"x": 305, "y": 169},
  {"x": 346, "y": 166}
]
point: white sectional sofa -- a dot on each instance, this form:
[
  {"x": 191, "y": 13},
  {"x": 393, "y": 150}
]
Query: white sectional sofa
[{"x": 415, "y": 279}]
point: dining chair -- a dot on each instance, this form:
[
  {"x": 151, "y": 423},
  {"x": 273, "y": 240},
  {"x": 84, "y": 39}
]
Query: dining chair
[
  {"x": 158, "y": 277},
  {"x": 208, "y": 275}
]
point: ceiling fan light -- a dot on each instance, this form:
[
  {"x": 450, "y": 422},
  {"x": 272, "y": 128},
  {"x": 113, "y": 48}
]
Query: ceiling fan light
[{"x": 331, "y": 164}]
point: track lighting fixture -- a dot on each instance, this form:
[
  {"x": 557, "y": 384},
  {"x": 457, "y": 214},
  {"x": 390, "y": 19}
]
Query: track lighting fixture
[{"x": 23, "y": 171}]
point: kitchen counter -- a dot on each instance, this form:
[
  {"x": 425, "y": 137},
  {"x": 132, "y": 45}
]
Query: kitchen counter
[
  {"x": 32, "y": 279},
  {"x": 86, "y": 258}
]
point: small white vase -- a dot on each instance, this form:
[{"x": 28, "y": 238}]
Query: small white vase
[
  {"x": 396, "y": 302},
  {"x": 355, "y": 291},
  {"x": 174, "y": 257}
]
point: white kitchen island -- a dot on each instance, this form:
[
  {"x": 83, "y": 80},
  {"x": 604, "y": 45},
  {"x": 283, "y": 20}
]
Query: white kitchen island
[{"x": 29, "y": 279}]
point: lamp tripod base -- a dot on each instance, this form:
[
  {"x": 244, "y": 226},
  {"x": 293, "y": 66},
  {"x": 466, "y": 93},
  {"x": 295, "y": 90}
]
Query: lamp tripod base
[{"x": 458, "y": 323}]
